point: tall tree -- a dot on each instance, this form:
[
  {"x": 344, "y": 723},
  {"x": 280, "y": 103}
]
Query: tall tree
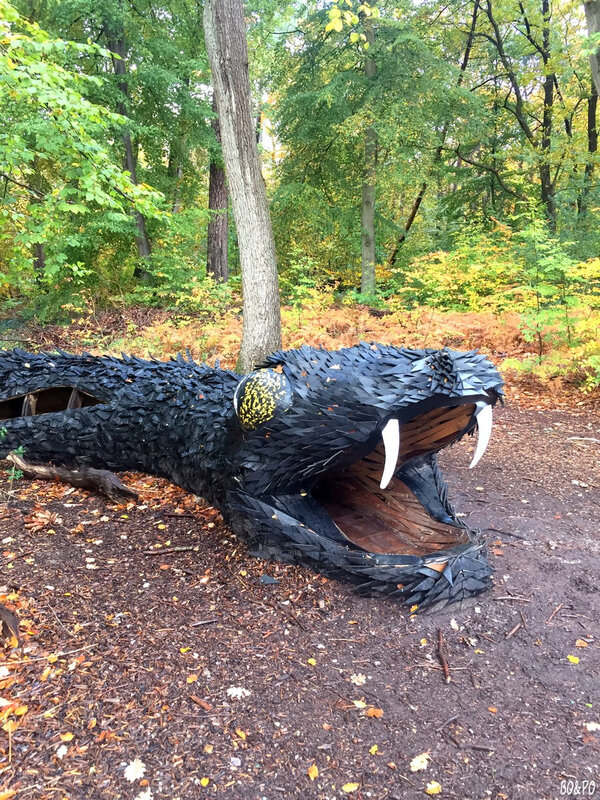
[
  {"x": 225, "y": 36},
  {"x": 367, "y": 273},
  {"x": 592, "y": 15},
  {"x": 115, "y": 35},
  {"x": 218, "y": 202}
]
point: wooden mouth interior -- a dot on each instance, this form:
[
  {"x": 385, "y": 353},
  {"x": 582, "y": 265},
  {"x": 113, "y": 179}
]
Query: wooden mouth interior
[
  {"x": 393, "y": 520},
  {"x": 46, "y": 401}
]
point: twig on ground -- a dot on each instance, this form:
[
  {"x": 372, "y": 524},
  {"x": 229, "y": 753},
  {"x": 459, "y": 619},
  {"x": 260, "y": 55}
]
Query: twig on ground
[
  {"x": 165, "y": 551},
  {"x": 45, "y": 658},
  {"x": 506, "y": 533},
  {"x": 514, "y": 630},
  {"x": 448, "y": 721},
  {"x": 202, "y": 622},
  {"x": 523, "y": 619},
  {"x": 442, "y": 656},
  {"x": 555, "y": 612},
  {"x": 513, "y": 597},
  {"x": 62, "y": 625}
]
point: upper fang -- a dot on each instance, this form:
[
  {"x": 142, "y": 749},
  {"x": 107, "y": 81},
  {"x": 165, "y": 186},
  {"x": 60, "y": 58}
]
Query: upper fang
[{"x": 391, "y": 443}]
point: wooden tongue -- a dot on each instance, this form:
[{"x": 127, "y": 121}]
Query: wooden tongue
[{"x": 385, "y": 521}]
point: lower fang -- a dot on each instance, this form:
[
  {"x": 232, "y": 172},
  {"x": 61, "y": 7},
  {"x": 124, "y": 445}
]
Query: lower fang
[{"x": 483, "y": 415}]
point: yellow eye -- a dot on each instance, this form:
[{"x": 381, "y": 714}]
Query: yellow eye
[{"x": 259, "y": 396}]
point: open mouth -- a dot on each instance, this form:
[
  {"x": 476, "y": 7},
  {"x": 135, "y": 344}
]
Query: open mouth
[{"x": 393, "y": 501}]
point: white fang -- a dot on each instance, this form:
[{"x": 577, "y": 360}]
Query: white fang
[
  {"x": 483, "y": 415},
  {"x": 391, "y": 443}
]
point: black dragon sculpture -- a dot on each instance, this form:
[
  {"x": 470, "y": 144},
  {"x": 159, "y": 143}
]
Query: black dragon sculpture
[{"x": 325, "y": 458}]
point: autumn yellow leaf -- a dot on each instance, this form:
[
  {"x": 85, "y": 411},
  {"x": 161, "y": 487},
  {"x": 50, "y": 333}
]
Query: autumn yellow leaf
[
  {"x": 433, "y": 787},
  {"x": 208, "y": 748},
  {"x": 573, "y": 659},
  {"x": 312, "y": 662},
  {"x": 420, "y": 762},
  {"x": 374, "y": 712},
  {"x": 359, "y": 703},
  {"x": 161, "y": 527},
  {"x": 191, "y": 678},
  {"x": 350, "y": 787},
  {"x": 493, "y": 709},
  {"x": 312, "y": 771},
  {"x": 204, "y": 781},
  {"x": 184, "y": 650},
  {"x": 373, "y": 750},
  {"x": 8, "y": 794},
  {"x": 581, "y": 643},
  {"x": 241, "y": 733},
  {"x": 67, "y": 737},
  {"x": 20, "y": 711}
]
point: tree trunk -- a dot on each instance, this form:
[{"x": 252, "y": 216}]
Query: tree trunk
[
  {"x": 439, "y": 150},
  {"x": 218, "y": 199},
  {"x": 592, "y": 137},
  {"x": 547, "y": 192},
  {"x": 367, "y": 272},
  {"x": 225, "y": 35},
  {"x": 116, "y": 44},
  {"x": 592, "y": 15}
]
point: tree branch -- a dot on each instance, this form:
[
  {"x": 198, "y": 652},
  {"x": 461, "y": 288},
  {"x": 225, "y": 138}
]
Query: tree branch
[{"x": 30, "y": 189}]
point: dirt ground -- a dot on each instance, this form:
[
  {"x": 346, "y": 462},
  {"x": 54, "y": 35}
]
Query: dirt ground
[{"x": 228, "y": 676}]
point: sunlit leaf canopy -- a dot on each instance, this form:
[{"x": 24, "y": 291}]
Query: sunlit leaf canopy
[{"x": 484, "y": 113}]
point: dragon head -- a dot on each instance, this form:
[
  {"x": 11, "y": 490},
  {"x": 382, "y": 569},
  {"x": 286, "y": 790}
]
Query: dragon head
[{"x": 338, "y": 449}]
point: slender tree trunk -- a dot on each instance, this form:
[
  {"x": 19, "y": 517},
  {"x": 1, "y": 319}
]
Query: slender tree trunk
[
  {"x": 116, "y": 44},
  {"x": 592, "y": 15},
  {"x": 592, "y": 137},
  {"x": 547, "y": 191},
  {"x": 367, "y": 273},
  {"x": 411, "y": 218},
  {"x": 438, "y": 152},
  {"x": 39, "y": 248},
  {"x": 177, "y": 150},
  {"x": 218, "y": 200},
  {"x": 225, "y": 35}
]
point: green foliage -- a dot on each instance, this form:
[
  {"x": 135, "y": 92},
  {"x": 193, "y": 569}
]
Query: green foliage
[{"x": 57, "y": 165}]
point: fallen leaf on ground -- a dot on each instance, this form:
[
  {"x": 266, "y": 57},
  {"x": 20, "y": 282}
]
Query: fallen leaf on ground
[
  {"x": 350, "y": 787},
  {"x": 237, "y": 692},
  {"x": 433, "y": 787},
  {"x": 312, "y": 771},
  {"x": 374, "y": 712},
  {"x": 135, "y": 770},
  {"x": 420, "y": 762},
  {"x": 573, "y": 659}
]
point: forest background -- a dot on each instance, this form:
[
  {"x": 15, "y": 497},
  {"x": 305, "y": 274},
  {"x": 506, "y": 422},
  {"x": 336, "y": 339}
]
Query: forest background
[{"x": 432, "y": 172}]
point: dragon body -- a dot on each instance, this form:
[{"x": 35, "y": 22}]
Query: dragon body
[{"x": 324, "y": 458}]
